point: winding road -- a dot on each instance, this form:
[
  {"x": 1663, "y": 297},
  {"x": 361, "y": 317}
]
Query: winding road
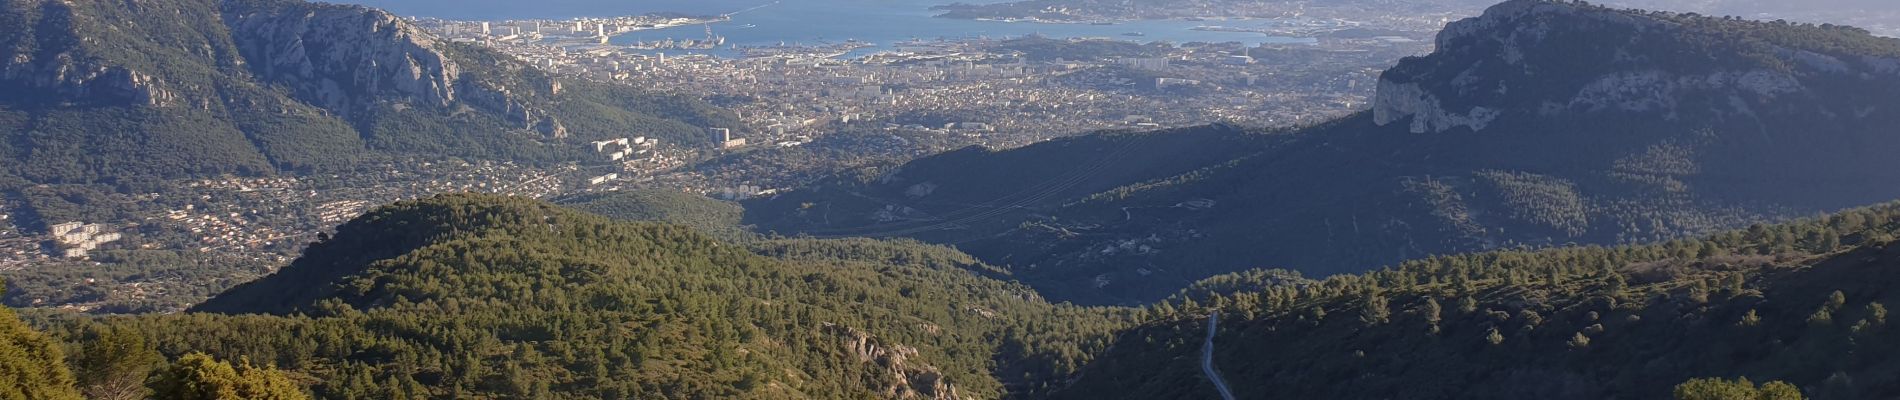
[{"x": 1207, "y": 360}]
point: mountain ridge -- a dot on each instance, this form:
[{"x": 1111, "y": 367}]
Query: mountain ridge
[
  {"x": 1387, "y": 185},
  {"x": 1613, "y": 63},
  {"x": 207, "y": 87}
]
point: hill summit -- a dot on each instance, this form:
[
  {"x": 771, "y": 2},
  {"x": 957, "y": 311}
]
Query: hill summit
[
  {"x": 1525, "y": 60},
  {"x": 517, "y": 298}
]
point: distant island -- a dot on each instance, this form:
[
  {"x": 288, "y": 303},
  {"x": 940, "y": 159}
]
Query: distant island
[
  {"x": 1286, "y": 18},
  {"x": 1101, "y": 11},
  {"x": 1851, "y": 12}
]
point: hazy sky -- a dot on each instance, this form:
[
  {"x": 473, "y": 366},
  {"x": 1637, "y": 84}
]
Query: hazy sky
[{"x": 1880, "y": 16}]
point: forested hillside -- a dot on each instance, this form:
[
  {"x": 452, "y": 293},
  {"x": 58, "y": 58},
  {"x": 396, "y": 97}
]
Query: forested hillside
[
  {"x": 1540, "y": 123},
  {"x": 708, "y": 215},
  {"x": 1803, "y": 303},
  {"x": 479, "y": 296},
  {"x": 1563, "y": 201},
  {"x": 131, "y": 93}
]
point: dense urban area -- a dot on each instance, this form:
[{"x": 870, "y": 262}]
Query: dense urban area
[{"x": 921, "y": 96}]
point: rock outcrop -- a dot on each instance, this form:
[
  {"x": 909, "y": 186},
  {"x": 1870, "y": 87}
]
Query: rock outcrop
[
  {"x": 910, "y": 379},
  {"x": 191, "y": 88},
  {"x": 1401, "y": 101},
  {"x": 349, "y": 59},
  {"x": 1529, "y": 59},
  {"x": 340, "y": 57},
  {"x": 74, "y": 78}
]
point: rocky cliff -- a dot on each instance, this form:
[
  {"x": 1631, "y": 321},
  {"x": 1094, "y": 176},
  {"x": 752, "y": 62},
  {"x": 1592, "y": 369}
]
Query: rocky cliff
[
  {"x": 48, "y": 64},
  {"x": 338, "y": 57},
  {"x": 1528, "y": 59},
  {"x": 348, "y": 59},
  {"x": 248, "y": 86}
]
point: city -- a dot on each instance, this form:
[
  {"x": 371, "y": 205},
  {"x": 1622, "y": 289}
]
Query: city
[
  {"x": 809, "y": 110},
  {"x": 941, "y": 200},
  {"x": 995, "y": 92}
]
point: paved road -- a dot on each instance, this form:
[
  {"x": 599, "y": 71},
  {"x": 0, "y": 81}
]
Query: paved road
[{"x": 1207, "y": 360}]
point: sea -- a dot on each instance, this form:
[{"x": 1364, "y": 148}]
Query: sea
[{"x": 881, "y": 23}]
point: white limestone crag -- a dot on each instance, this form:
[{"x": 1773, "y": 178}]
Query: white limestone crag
[
  {"x": 1467, "y": 82},
  {"x": 1400, "y": 101},
  {"x": 345, "y": 58},
  {"x": 334, "y": 56}
]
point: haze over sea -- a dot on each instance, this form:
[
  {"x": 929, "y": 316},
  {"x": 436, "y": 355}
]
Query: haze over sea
[{"x": 765, "y": 22}]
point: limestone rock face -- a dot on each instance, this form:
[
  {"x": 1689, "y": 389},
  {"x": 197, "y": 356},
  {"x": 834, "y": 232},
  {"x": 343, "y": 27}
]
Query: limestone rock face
[
  {"x": 1527, "y": 59},
  {"x": 346, "y": 60},
  {"x": 349, "y": 59},
  {"x": 1399, "y": 101},
  {"x": 335, "y": 56},
  {"x": 127, "y": 90},
  {"x": 75, "y": 77}
]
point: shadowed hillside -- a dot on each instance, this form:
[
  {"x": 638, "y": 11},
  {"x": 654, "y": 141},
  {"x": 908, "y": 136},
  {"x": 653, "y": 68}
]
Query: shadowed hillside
[
  {"x": 1803, "y": 303},
  {"x": 133, "y": 92},
  {"x": 1539, "y": 123}
]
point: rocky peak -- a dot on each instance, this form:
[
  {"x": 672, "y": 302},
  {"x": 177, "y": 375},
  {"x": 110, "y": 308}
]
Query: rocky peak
[
  {"x": 83, "y": 80},
  {"x": 348, "y": 59},
  {"x": 62, "y": 68},
  {"x": 1527, "y": 59},
  {"x": 339, "y": 57}
]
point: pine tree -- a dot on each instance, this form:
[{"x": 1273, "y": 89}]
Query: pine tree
[
  {"x": 1376, "y": 310},
  {"x": 114, "y": 363},
  {"x": 1716, "y": 389},
  {"x": 197, "y": 376},
  {"x": 1699, "y": 292},
  {"x": 1738, "y": 389},
  {"x": 1431, "y": 311},
  {"x": 1734, "y": 284},
  {"x": 1616, "y": 284},
  {"x": 32, "y": 366},
  {"x": 1778, "y": 390}
]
